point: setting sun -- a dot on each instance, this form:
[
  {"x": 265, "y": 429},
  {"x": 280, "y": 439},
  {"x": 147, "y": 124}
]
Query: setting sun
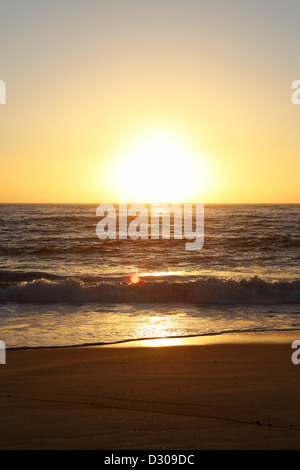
[{"x": 158, "y": 166}]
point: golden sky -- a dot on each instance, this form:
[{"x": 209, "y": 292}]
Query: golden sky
[{"x": 149, "y": 99}]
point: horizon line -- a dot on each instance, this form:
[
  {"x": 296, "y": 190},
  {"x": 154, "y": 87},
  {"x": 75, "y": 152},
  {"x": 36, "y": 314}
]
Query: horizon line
[{"x": 149, "y": 203}]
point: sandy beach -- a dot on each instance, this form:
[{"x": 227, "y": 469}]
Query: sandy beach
[{"x": 219, "y": 395}]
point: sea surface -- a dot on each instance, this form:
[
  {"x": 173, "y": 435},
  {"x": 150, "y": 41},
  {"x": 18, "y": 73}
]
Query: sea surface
[{"x": 61, "y": 285}]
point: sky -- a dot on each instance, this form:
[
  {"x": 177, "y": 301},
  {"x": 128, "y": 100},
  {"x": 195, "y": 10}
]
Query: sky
[{"x": 149, "y": 101}]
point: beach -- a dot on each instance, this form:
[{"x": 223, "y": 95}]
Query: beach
[
  {"x": 149, "y": 226},
  {"x": 223, "y": 393}
]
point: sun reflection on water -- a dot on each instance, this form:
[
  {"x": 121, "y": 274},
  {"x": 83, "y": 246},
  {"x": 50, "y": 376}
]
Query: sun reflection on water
[
  {"x": 159, "y": 342},
  {"x": 160, "y": 331}
]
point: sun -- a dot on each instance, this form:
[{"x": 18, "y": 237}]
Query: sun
[{"x": 159, "y": 166}]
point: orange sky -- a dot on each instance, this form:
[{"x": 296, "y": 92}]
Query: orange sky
[{"x": 86, "y": 79}]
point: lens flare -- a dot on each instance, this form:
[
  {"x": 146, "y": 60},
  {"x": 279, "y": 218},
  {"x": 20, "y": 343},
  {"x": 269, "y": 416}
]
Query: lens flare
[{"x": 134, "y": 279}]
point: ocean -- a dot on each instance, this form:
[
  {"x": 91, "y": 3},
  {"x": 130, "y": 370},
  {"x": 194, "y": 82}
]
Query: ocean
[{"x": 61, "y": 285}]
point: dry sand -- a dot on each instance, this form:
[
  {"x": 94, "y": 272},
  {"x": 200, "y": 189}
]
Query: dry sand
[{"x": 210, "y": 396}]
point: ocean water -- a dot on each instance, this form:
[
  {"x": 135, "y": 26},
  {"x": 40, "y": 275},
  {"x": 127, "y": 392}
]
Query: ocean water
[{"x": 60, "y": 285}]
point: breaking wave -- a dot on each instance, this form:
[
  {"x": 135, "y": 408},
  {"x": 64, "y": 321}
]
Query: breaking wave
[{"x": 212, "y": 290}]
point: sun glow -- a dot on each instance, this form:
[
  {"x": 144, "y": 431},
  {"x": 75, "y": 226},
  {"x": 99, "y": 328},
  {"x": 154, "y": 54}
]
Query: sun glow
[
  {"x": 161, "y": 342},
  {"x": 159, "y": 166}
]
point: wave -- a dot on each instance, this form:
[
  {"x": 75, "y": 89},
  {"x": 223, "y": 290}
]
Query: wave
[
  {"x": 23, "y": 276},
  {"x": 212, "y": 290}
]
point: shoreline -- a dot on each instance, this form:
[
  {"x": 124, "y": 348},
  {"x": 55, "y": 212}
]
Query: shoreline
[{"x": 276, "y": 336}]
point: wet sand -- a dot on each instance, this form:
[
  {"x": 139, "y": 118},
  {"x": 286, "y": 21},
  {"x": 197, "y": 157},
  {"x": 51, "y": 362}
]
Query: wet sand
[{"x": 221, "y": 394}]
